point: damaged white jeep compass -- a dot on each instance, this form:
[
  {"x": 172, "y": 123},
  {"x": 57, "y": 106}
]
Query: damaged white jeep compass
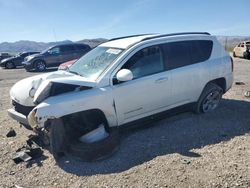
[{"x": 119, "y": 82}]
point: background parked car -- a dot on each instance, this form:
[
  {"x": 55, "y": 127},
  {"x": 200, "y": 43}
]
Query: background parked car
[
  {"x": 56, "y": 55},
  {"x": 67, "y": 64},
  {"x": 14, "y": 61},
  {"x": 4, "y": 55},
  {"x": 242, "y": 50}
]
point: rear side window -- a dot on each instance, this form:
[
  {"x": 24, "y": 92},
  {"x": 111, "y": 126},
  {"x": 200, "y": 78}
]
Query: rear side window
[
  {"x": 68, "y": 48},
  {"x": 200, "y": 50},
  {"x": 82, "y": 47},
  {"x": 184, "y": 53}
]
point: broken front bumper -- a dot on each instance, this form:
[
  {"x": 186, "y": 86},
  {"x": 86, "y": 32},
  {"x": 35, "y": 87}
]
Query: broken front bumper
[{"x": 18, "y": 116}]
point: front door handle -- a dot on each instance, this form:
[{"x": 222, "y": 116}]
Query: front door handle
[{"x": 160, "y": 80}]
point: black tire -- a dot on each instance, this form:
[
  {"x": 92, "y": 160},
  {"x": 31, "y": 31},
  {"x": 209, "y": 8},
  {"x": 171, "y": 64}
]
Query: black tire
[
  {"x": 57, "y": 138},
  {"x": 245, "y": 55},
  {"x": 60, "y": 144},
  {"x": 10, "y": 65},
  {"x": 209, "y": 99},
  {"x": 95, "y": 151},
  {"x": 234, "y": 55},
  {"x": 40, "y": 65}
]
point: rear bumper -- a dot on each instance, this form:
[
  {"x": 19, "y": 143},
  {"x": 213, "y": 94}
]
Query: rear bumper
[{"x": 18, "y": 116}]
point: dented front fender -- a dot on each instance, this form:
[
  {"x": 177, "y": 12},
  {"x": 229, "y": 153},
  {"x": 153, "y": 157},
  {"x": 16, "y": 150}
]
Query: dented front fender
[{"x": 69, "y": 103}]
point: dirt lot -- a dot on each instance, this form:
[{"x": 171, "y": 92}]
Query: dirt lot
[{"x": 186, "y": 150}]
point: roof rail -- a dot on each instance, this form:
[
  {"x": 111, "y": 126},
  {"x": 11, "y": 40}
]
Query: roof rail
[
  {"x": 138, "y": 35},
  {"x": 175, "y": 34}
]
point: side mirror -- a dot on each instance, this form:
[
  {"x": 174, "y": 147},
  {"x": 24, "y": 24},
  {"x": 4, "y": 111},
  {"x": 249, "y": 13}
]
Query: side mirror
[{"x": 124, "y": 75}]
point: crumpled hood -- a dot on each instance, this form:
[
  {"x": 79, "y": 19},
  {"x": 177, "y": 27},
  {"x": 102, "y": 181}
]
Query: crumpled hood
[{"x": 28, "y": 91}]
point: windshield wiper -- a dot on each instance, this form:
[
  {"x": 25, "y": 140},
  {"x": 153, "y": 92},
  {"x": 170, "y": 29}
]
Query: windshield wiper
[{"x": 73, "y": 72}]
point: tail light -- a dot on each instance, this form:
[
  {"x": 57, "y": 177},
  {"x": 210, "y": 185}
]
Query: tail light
[{"x": 232, "y": 63}]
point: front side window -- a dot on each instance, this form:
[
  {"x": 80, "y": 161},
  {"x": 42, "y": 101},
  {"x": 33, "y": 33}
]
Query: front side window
[
  {"x": 24, "y": 55},
  {"x": 145, "y": 62},
  {"x": 55, "y": 50},
  {"x": 95, "y": 62}
]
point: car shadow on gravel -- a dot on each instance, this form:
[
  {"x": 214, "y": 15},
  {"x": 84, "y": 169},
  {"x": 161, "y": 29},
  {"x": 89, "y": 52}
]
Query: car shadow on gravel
[{"x": 177, "y": 134}]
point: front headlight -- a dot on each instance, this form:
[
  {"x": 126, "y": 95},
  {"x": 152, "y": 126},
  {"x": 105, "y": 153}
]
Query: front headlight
[
  {"x": 32, "y": 92},
  {"x": 3, "y": 60},
  {"x": 32, "y": 118}
]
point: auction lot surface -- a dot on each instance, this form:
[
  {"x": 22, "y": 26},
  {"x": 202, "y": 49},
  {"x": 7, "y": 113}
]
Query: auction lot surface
[{"x": 186, "y": 150}]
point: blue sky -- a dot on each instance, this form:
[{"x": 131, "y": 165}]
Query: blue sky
[{"x": 55, "y": 20}]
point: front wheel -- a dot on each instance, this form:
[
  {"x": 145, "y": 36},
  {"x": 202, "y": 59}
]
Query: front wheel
[
  {"x": 234, "y": 55},
  {"x": 40, "y": 65},
  {"x": 209, "y": 99}
]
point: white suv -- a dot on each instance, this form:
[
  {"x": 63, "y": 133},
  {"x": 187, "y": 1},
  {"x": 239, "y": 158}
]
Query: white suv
[
  {"x": 119, "y": 82},
  {"x": 242, "y": 50}
]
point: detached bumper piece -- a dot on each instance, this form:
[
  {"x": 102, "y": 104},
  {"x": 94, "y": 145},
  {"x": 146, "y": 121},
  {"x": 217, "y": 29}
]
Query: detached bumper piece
[{"x": 28, "y": 152}]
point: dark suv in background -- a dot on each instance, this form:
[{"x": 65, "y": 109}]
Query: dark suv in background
[
  {"x": 14, "y": 61},
  {"x": 54, "y": 56}
]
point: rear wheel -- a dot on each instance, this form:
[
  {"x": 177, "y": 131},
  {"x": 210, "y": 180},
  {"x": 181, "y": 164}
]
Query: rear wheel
[
  {"x": 10, "y": 65},
  {"x": 246, "y": 55},
  {"x": 40, "y": 65},
  {"x": 209, "y": 99}
]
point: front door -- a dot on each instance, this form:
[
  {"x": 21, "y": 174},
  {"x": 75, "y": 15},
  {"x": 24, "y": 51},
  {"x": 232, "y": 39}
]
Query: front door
[
  {"x": 149, "y": 90},
  {"x": 54, "y": 57}
]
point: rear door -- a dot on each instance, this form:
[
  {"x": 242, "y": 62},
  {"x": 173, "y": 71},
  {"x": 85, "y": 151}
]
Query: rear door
[
  {"x": 238, "y": 50},
  {"x": 68, "y": 53},
  {"x": 148, "y": 92},
  {"x": 189, "y": 67},
  {"x": 80, "y": 50},
  {"x": 242, "y": 50}
]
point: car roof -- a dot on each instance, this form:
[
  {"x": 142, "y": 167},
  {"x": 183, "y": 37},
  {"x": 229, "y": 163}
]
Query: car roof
[{"x": 125, "y": 42}]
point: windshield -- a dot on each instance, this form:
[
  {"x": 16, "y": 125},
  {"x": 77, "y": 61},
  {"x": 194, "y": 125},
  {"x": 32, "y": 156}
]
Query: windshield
[
  {"x": 92, "y": 64},
  {"x": 47, "y": 49}
]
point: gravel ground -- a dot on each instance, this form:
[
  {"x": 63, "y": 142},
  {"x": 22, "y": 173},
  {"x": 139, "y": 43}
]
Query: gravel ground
[{"x": 186, "y": 150}]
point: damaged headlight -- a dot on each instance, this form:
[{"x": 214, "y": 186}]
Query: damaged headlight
[
  {"x": 32, "y": 92},
  {"x": 32, "y": 118}
]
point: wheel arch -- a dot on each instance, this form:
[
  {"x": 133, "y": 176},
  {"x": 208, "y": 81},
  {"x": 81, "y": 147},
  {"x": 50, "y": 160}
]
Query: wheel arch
[
  {"x": 221, "y": 82},
  {"x": 93, "y": 116},
  {"x": 36, "y": 60}
]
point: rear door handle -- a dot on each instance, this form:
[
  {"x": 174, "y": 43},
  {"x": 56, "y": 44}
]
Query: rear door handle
[{"x": 160, "y": 80}]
